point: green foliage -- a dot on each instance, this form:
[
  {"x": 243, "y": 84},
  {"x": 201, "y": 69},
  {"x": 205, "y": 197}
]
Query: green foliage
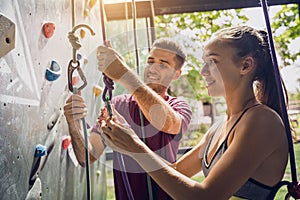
[
  {"x": 201, "y": 24},
  {"x": 294, "y": 97},
  {"x": 286, "y": 29}
]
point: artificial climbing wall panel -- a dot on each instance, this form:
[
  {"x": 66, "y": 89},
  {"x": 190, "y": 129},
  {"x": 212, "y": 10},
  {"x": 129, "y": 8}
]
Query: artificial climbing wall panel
[{"x": 32, "y": 124}]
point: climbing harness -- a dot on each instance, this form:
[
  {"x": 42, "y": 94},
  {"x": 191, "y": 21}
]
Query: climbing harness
[
  {"x": 294, "y": 186},
  {"x": 74, "y": 64}
]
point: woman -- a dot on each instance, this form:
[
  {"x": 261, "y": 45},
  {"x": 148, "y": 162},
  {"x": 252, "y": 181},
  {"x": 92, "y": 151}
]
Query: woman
[{"x": 243, "y": 156}]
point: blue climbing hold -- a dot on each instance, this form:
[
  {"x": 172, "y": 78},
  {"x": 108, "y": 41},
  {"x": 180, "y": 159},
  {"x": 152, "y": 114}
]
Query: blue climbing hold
[
  {"x": 40, "y": 150},
  {"x": 79, "y": 56},
  {"x": 53, "y": 72}
]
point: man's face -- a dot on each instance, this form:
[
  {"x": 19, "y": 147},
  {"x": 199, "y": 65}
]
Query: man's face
[{"x": 160, "y": 69}]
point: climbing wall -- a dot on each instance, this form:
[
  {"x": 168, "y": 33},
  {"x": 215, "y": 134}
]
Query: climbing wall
[{"x": 35, "y": 158}]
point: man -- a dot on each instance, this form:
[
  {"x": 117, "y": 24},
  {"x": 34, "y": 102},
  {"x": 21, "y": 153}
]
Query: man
[{"x": 162, "y": 120}]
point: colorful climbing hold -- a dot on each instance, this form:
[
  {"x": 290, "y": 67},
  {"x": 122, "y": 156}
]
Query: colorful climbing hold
[
  {"x": 97, "y": 90},
  {"x": 40, "y": 150},
  {"x": 49, "y": 28},
  {"x": 92, "y": 3},
  {"x": 86, "y": 12},
  {"x": 53, "y": 72},
  {"x": 66, "y": 141},
  {"x": 98, "y": 172},
  {"x": 7, "y": 35},
  {"x": 82, "y": 33},
  {"x": 79, "y": 56}
]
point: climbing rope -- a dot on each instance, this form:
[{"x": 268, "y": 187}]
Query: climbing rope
[
  {"x": 109, "y": 86},
  {"x": 294, "y": 186},
  {"x": 135, "y": 37},
  {"x": 74, "y": 64},
  {"x": 134, "y": 17}
]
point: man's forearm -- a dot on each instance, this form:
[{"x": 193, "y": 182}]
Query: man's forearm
[{"x": 158, "y": 112}]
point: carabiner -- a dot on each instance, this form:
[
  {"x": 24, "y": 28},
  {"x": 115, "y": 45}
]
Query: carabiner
[
  {"x": 108, "y": 107},
  {"x": 109, "y": 86},
  {"x": 71, "y": 69}
]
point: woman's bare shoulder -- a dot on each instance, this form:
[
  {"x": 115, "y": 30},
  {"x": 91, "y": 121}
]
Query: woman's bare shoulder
[
  {"x": 263, "y": 114},
  {"x": 262, "y": 121}
]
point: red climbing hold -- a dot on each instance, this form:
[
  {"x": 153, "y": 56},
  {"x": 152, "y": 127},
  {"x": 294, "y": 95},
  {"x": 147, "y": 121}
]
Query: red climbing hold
[
  {"x": 49, "y": 28},
  {"x": 66, "y": 142}
]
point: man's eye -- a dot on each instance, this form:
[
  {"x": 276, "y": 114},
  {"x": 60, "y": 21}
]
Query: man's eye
[
  {"x": 209, "y": 63},
  {"x": 163, "y": 66}
]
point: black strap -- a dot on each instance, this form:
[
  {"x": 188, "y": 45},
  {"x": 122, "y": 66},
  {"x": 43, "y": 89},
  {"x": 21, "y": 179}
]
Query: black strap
[{"x": 237, "y": 121}]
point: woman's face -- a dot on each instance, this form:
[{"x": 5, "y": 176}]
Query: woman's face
[{"x": 220, "y": 72}]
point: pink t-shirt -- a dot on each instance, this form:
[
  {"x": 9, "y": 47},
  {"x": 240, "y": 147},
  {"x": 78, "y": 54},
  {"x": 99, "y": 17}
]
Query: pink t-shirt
[{"x": 164, "y": 144}]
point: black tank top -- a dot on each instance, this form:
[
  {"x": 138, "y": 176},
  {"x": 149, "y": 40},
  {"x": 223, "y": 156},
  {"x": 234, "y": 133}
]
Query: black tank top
[{"x": 252, "y": 189}]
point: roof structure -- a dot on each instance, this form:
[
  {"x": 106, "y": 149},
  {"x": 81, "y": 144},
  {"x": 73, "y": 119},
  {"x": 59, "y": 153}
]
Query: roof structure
[{"x": 117, "y": 11}]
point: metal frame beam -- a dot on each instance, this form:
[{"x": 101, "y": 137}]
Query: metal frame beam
[{"x": 116, "y": 11}]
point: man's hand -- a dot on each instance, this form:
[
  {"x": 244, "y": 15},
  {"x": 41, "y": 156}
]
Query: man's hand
[{"x": 111, "y": 63}]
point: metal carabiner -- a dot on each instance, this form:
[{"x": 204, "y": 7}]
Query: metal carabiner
[
  {"x": 71, "y": 69},
  {"x": 109, "y": 86},
  {"x": 74, "y": 64},
  {"x": 108, "y": 107}
]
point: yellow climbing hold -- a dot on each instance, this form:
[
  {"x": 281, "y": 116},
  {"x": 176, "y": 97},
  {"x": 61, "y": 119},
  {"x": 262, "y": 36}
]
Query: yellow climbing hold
[
  {"x": 98, "y": 172},
  {"x": 92, "y": 3},
  {"x": 97, "y": 90},
  {"x": 86, "y": 12},
  {"x": 82, "y": 33}
]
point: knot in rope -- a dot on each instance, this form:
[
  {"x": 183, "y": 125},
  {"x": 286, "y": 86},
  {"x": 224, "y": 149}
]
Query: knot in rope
[{"x": 74, "y": 40}]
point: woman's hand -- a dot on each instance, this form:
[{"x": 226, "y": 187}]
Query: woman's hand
[
  {"x": 103, "y": 115},
  {"x": 121, "y": 138}
]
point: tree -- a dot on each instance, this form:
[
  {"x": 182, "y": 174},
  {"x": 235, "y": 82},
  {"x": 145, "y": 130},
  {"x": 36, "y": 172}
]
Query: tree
[{"x": 286, "y": 29}]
